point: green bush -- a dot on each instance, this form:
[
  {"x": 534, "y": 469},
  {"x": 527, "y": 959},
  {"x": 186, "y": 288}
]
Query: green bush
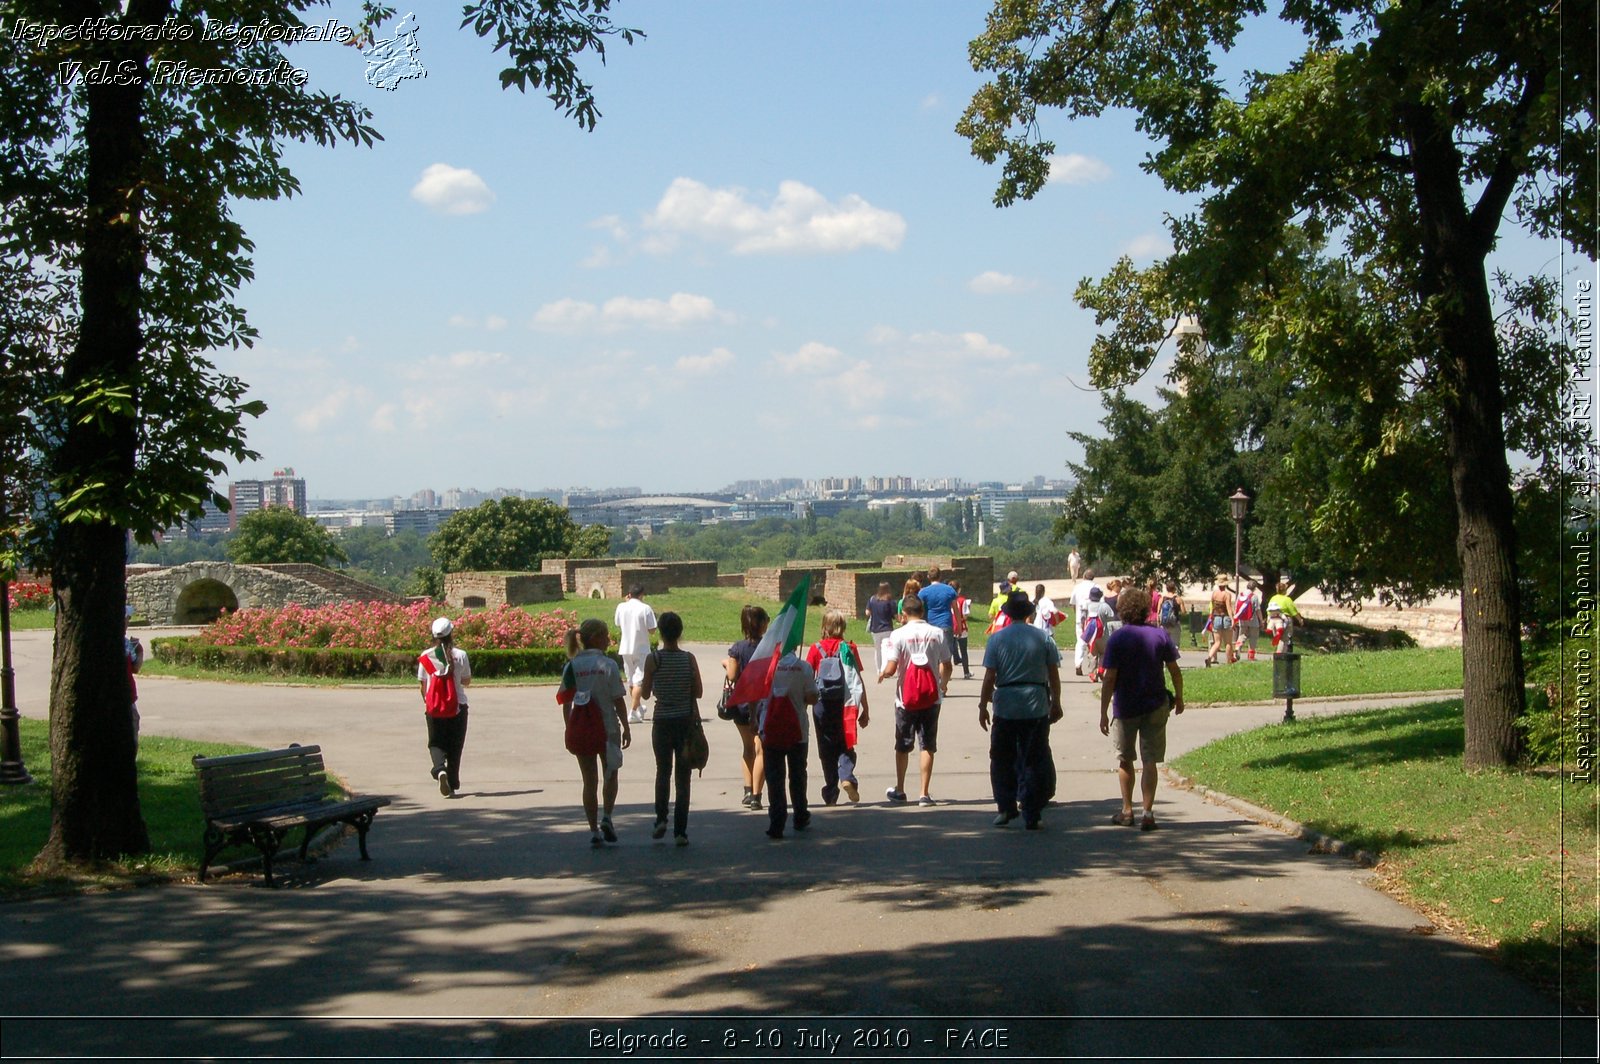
[
  {"x": 1552, "y": 724},
  {"x": 346, "y": 663}
]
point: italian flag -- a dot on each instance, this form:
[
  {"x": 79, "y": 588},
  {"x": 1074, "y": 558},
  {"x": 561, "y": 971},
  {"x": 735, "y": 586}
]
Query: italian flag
[{"x": 783, "y": 635}]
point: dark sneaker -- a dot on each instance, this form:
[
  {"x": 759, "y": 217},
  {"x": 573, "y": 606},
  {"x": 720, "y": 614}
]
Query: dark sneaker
[
  {"x": 681, "y": 840},
  {"x": 1002, "y": 819},
  {"x": 925, "y": 800},
  {"x": 607, "y": 830},
  {"x": 1032, "y": 825},
  {"x": 660, "y": 831},
  {"x": 444, "y": 786},
  {"x": 894, "y": 796},
  {"x": 755, "y": 803},
  {"x": 802, "y": 821},
  {"x": 596, "y": 841},
  {"x": 774, "y": 833}
]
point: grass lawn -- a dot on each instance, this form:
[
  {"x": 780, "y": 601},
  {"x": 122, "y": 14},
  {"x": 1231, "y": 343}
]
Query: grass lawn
[
  {"x": 1506, "y": 858},
  {"x": 169, "y": 798},
  {"x": 1359, "y": 672},
  {"x": 44, "y": 618}
]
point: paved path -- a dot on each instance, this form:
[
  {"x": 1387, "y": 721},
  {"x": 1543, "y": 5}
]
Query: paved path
[{"x": 486, "y": 926}]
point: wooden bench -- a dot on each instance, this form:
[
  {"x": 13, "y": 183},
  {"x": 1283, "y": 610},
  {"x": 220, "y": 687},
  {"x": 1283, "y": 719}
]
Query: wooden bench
[{"x": 259, "y": 798}]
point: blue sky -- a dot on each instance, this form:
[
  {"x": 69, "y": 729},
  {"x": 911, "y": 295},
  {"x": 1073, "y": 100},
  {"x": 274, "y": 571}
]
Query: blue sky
[{"x": 773, "y": 257}]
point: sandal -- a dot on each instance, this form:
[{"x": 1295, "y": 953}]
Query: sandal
[
  {"x": 1148, "y": 823},
  {"x": 1122, "y": 820}
]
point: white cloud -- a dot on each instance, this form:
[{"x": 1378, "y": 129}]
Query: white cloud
[
  {"x": 494, "y": 323},
  {"x": 700, "y": 365},
  {"x": 474, "y": 359},
  {"x": 813, "y": 357},
  {"x": 462, "y": 321},
  {"x": 1075, "y": 169},
  {"x": 324, "y": 410},
  {"x": 678, "y": 309},
  {"x": 993, "y": 282},
  {"x": 382, "y": 419},
  {"x": 1148, "y": 246},
  {"x": 930, "y": 101},
  {"x": 799, "y": 220},
  {"x": 450, "y": 190},
  {"x": 565, "y": 314}
]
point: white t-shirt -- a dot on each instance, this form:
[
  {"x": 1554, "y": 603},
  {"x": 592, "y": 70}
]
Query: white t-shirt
[
  {"x": 1080, "y": 595},
  {"x": 794, "y": 679},
  {"x": 915, "y": 637},
  {"x": 459, "y": 668},
  {"x": 636, "y": 620},
  {"x": 1043, "y": 610}
]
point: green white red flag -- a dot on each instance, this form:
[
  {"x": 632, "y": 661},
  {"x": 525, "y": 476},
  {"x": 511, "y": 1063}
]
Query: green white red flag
[{"x": 783, "y": 635}]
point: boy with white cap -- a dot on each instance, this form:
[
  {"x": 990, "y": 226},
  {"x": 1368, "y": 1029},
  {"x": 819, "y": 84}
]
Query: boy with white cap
[{"x": 443, "y": 675}]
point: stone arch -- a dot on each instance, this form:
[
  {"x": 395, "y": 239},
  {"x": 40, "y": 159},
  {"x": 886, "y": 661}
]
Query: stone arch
[
  {"x": 203, "y": 601},
  {"x": 597, "y": 591}
]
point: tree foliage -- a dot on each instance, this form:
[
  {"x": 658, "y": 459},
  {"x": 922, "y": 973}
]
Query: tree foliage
[
  {"x": 276, "y": 534},
  {"x": 115, "y": 219},
  {"x": 1403, "y": 133},
  {"x": 513, "y": 534}
]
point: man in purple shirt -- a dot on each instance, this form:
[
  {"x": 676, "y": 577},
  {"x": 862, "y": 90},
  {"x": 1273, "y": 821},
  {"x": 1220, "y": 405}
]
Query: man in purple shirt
[{"x": 1134, "y": 701}]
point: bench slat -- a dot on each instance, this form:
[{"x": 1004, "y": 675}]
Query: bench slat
[
  {"x": 259, "y": 755},
  {"x": 284, "y": 818},
  {"x": 273, "y": 781}
]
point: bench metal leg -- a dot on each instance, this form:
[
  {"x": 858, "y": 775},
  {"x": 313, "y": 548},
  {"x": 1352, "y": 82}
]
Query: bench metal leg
[
  {"x": 213, "y": 843},
  {"x": 267, "y": 841},
  {"x": 362, "y": 822}
]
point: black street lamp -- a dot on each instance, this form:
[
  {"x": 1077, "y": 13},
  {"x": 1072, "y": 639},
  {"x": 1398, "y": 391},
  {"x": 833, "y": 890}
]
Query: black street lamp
[
  {"x": 12, "y": 770},
  {"x": 1239, "y": 504}
]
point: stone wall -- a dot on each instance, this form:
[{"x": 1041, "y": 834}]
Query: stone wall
[
  {"x": 477, "y": 590},
  {"x": 568, "y": 567},
  {"x": 613, "y": 581},
  {"x": 347, "y": 588},
  {"x": 197, "y": 592},
  {"x": 778, "y": 584}
]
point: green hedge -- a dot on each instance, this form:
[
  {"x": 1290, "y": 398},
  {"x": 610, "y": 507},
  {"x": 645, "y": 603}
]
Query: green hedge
[{"x": 346, "y": 663}]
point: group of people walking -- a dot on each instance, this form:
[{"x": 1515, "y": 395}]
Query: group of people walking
[{"x": 1126, "y": 637}]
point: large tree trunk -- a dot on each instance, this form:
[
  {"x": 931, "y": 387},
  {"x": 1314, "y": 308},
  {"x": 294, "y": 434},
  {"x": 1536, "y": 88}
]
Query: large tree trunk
[
  {"x": 1454, "y": 253},
  {"x": 95, "y": 799}
]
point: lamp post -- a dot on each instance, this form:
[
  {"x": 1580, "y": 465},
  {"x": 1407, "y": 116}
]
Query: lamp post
[
  {"x": 12, "y": 770},
  {"x": 1239, "y": 505}
]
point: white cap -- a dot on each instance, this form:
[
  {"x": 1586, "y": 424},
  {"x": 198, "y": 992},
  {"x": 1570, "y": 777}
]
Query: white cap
[
  {"x": 1274, "y": 606},
  {"x": 442, "y": 627}
]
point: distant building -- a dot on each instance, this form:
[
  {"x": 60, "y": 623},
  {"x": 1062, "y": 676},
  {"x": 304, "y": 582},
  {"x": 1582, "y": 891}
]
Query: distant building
[
  {"x": 423, "y": 522},
  {"x": 248, "y": 496}
]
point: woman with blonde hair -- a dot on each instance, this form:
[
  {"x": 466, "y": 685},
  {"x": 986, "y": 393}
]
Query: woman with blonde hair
[
  {"x": 594, "y": 703},
  {"x": 841, "y": 706}
]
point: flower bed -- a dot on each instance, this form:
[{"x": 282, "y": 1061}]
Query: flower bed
[
  {"x": 374, "y": 626},
  {"x": 29, "y": 596},
  {"x": 346, "y": 662}
]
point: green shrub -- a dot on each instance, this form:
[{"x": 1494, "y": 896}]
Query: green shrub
[
  {"x": 1552, "y": 723},
  {"x": 346, "y": 663}
]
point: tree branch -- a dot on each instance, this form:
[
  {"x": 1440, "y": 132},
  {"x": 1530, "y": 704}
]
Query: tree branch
[{"x": 1485, "y": 218}]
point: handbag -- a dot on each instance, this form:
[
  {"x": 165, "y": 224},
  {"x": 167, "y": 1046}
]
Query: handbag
[
  {"x": 696, "y": 751},
  {"x": 725, "y": 711}
]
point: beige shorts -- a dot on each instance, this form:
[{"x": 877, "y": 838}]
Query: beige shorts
[{"x": 1151, "y": 731}]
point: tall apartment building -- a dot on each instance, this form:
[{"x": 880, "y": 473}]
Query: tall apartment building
[{"x": 284, "y": 489}]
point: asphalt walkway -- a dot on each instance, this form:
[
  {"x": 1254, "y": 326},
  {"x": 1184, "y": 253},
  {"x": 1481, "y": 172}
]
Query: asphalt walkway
[{"x": 487, "y": 927}]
